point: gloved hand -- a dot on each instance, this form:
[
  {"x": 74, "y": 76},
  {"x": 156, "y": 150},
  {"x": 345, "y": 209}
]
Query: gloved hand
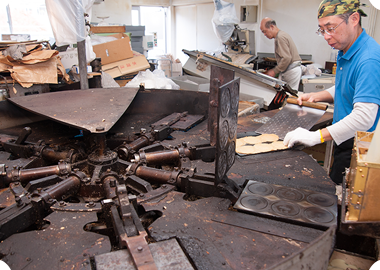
[{"x": 302, "y": 136}]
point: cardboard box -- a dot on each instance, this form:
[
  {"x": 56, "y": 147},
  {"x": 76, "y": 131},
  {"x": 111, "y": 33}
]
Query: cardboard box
[
  {"x": 126, "y": 66},
  {"x": 108, "y": 29},
  {"x": 114, "y": 51},
  {"x": 69, "y": 58}
]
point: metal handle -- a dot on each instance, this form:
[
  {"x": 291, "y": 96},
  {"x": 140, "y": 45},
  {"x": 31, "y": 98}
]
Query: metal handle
[{"x": 307, "y": 104}]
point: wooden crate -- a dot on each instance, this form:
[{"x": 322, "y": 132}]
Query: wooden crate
[{"x": 363, "y": 182}]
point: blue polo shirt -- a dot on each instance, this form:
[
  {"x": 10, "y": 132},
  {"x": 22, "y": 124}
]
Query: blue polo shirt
[{"x": 357, "y": 77}]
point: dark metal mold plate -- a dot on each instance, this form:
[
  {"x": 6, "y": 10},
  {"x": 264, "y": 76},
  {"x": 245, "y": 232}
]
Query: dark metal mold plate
[
  {"x": 95, "y": 110},
  {"x": 296, "y": 205},
  {"x": 226, "y": 134}
]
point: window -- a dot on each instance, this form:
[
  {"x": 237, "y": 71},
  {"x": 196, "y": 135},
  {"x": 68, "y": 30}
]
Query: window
[
  {"x": 25, "y": 17},
  {"x": 155, "y": 21}
]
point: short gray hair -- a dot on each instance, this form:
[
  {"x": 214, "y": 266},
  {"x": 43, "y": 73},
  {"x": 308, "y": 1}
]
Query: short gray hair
[
  {"x": 269, "y": 23},
  {"x": 347, "y": 15}
]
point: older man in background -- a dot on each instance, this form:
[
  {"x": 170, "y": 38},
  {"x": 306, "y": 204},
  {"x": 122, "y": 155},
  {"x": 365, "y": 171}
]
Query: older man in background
[{"x": 288, "y": 60}]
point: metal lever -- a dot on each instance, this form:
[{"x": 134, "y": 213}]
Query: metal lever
[{"x": 26, "y": 131}]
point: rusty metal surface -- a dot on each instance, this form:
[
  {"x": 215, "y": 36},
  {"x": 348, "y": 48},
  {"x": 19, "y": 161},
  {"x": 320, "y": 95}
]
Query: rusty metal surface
[
  {"x": 219, "y": 77},
  {"x": 228, "y": 103},
  {"x": 211, "y": 235},
  {"x": 314, "y": 257},
  {"x": 140, "y": 252},
  {"x": 95, "y": 110},
  {"x": 266, "y": 226},
  {"x": 167, "y": 255},
  {"x": 291, "y": 168},
  {"x": 62, "y": 245},
  {"x": 6, "y": 198},
  {"x": 216, "y": 245}
]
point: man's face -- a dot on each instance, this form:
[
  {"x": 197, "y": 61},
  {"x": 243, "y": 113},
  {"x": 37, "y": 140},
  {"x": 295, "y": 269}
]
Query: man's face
[
  {"x": 268, "y": 32},
  {"x": 342, "y": 33}
]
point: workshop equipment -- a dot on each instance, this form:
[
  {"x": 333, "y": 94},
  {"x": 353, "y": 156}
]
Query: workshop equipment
[
  {"x": 293, "y": 116},
  {"x": 241, "y": 41},
  {"x": 96, "y": 199},
  {"x": 360, "y": 216}
]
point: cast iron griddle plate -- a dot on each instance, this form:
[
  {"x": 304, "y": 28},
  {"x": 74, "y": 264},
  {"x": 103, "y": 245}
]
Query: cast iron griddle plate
[
  {"x": 289, "y": 118},
  {"x": 95, "y": 110},
  {"x": 296, "y": 205}
]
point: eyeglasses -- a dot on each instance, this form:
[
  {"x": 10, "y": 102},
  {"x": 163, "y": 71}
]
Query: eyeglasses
[{"x": 328, "y": 31}]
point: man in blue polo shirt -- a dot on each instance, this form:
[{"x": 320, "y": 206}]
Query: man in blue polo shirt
[{"x": 356, "y": 94}]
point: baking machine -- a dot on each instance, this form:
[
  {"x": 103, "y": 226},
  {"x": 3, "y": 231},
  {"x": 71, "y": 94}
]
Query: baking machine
[
  {"x": 149, "y": 179},
  {"x": 242, "y": 41}
]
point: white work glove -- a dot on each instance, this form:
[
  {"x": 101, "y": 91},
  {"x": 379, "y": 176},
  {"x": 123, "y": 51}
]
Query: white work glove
[{"x": 302, "y": 136}]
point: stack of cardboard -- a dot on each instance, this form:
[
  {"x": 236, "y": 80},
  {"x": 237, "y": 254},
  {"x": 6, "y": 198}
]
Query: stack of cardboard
[
  {"x": 117, "y": 57},
  {"x": 31, "y": 65}
]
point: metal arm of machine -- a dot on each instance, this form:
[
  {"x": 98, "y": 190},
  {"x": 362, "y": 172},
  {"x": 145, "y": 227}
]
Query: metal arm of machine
[
  {"x": 129, "y": 230},
  {"x": 18, "y": 148},
  {"x": 204, "y": 152},
  {"x": 31, "y": 208},
  {"x": 26, "y": 175}
]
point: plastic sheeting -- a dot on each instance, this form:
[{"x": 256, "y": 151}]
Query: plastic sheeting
[
  {"x": 67, "y": 19},
  {"x": 152, "y": 80},
  {"x": 224, "y": 20}
]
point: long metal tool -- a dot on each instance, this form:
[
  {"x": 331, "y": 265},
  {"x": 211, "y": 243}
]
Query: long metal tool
[{"x": 293, "y": 116}]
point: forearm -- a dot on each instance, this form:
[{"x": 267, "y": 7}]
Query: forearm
[
  {"x": 322, "y": 96},
  {"x": 361, "y": 118}
]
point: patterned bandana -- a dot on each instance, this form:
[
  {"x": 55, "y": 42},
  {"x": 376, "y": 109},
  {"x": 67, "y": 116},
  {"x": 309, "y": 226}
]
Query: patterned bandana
[{"x": 337, "y": 7}]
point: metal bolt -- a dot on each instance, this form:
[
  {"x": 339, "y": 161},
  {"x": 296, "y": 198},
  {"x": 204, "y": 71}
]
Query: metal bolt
[
  {"x": 350, "y": 228},
  {"x": 141, "y": 195},
  {"x": 61, "y": 203},
  {"x": 91, "y": 204},
  {"x": 28, "y": 259},
  {"x": 140, "y": 249},
  {"x": 112, "y": 183},
  {"x": 164, "y": 186},
  {"x": 39, "y": 190}
]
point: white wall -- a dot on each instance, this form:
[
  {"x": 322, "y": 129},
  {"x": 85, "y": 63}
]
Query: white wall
[
  {"x": 298, "y": 18},
  {"x": 192, "y": 28},
  {"x": 119, "y": 11}
]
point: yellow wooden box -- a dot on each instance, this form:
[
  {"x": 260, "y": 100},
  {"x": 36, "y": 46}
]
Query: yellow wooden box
[{"x": 363, "y": 181}]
